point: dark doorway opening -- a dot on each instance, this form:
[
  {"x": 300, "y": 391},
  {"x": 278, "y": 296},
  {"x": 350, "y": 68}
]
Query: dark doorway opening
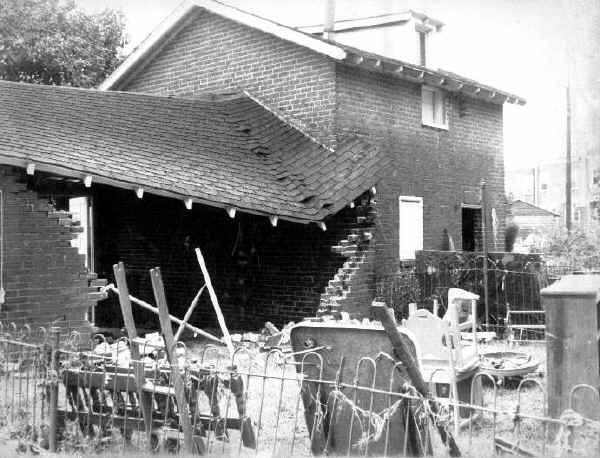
[{"x": 471, "y": 229}]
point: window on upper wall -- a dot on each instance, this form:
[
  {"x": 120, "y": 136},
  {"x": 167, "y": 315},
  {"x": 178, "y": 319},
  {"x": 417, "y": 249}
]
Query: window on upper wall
[{"x": 434, "y": 106}]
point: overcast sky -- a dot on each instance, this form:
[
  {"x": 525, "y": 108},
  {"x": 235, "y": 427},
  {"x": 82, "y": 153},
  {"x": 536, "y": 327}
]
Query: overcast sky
[{"x": 527, "y": 47}]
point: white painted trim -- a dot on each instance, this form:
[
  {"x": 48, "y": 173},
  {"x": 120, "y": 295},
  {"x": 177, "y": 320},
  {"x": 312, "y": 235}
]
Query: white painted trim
[
  {"x": 359, "y": 23},
  {"x": 182, "y": 10},
  {"x": 376, "y": 21},
  {"x": 411, "y": 199},
  {"x": 445, "y": 111},
  {"x": 228, "y": 12},
  {"x": 265, "y": 25}
]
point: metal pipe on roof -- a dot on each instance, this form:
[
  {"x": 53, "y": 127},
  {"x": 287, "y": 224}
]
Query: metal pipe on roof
[{"x": 329, "y": 24}]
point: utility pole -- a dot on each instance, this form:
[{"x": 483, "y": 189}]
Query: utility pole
[{"x": 568, "y": 184}]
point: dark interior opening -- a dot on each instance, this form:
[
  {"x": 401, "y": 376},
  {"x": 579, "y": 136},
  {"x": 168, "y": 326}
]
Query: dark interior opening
[{"x": 471, "y": 229}]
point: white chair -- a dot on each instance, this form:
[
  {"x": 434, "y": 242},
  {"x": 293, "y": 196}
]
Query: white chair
[{"x": 443, "y": 359}]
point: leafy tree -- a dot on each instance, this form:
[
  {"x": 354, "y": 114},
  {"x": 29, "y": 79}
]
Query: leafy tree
[
  {"x": 54, "y": 42},
  {"x": 579, "y": 248}
]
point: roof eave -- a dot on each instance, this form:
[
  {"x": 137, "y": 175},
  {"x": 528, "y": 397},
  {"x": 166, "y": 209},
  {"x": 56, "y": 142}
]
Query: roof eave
[
  {"x": 319, "y": 216},
  {"x": 423, "y": 75}
]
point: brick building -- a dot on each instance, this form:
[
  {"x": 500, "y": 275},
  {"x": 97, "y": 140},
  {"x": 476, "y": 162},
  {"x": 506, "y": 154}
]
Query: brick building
[{"x": 323, "y": 127}]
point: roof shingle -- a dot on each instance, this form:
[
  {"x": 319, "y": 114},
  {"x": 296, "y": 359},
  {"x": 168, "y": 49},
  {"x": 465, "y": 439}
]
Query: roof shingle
[{"x": 224, "y": 151}]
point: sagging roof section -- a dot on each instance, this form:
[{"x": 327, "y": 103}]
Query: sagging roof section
[
  {"x": 332, "y": 49},
  {"x": 221, "y": 151}
]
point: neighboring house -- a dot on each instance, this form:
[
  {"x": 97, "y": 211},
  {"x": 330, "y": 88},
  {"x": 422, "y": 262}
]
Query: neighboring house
[
  {"x": 531, "y": 218},
  {"x": 311, "y": 130},
  {"x": 544, "y": 186}
]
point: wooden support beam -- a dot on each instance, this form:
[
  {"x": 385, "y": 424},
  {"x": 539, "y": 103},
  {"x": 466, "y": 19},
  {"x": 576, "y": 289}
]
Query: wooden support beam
[
  {"x": 215, "y": 302},
  {"x": 191, "y": 446},
  {"x": 154, "y": 310},
  {"x": 188, "y": 314},
  {"x": 139, "y": 372}
]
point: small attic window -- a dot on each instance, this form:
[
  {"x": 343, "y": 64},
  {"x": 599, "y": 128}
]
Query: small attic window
[{"x": 434, "y": 107}]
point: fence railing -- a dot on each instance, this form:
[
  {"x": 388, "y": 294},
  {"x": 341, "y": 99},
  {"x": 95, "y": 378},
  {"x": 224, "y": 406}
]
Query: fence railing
[
  {"x": 59, "y": 395},
  {"x": 512, "y": 295}
]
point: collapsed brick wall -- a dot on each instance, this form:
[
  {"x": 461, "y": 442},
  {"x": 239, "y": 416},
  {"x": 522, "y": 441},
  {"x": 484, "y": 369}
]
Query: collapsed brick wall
[
  {"x": 215, "y": 54},
  {"x": 45, "y": 279},
  {"x": 259, "y": 272},
  {"x": 352, "y": 288}
]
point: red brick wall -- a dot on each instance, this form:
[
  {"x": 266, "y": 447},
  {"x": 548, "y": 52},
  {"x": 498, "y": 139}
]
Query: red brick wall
[
  {"x": 214, "y": 54},
  {"x": 443, "y": 167},
  {"x": 331, "y": 100},
  {"x": 259, "y": 272},
  {"x": 44, "y": 277}
]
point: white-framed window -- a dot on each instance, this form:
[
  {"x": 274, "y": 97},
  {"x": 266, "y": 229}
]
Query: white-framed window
[
  {"x": 434, "y": 106},
  {"x": 410, "y": 227}
]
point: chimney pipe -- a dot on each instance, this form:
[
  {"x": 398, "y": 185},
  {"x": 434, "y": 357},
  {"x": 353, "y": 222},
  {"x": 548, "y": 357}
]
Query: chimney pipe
[{"x": 329, "y": 25}]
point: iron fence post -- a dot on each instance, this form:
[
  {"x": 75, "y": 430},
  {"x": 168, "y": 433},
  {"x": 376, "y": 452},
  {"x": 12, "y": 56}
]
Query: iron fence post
[
  {"x": 485, "y": 254},
  {"x": 53, "y": 380}
]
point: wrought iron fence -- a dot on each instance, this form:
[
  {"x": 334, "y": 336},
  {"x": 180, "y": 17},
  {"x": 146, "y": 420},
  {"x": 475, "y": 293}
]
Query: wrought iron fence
[
  {"x": 65, "y": 395},
  {"x": 513, "y": 296}
]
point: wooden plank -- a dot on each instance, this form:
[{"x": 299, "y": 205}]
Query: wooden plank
[
  {"x": 386, "y": 316},
  {"x": 139, "y": 373},
  {"x": 215, "y": 302},
  {"x": 154, "y": 310},
  {"x": 188, "y": 314},
  {"x": 190, "y": 445}
]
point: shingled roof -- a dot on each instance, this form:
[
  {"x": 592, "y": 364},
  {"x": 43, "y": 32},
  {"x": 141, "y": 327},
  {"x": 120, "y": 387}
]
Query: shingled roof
[
  {"x": 226, "y": 151},
  {"x": 521, "y": 208}
]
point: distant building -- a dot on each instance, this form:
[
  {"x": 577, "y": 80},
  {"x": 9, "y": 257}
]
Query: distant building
[
  {"x": 544, "y": 186},
  {"x": 531, "y": 218}
]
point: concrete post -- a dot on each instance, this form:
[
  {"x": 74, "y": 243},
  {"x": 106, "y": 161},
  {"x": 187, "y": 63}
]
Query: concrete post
[{"x": 572, "y": 343}]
